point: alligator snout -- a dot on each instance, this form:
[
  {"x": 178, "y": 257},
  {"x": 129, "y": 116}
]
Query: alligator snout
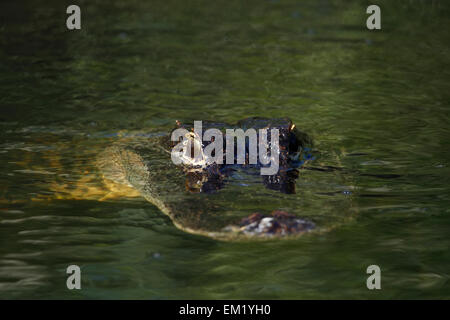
[{"x": 278, "y": 223}]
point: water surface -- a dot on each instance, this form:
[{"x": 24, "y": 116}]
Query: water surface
[{"x": 376, "y": 104}]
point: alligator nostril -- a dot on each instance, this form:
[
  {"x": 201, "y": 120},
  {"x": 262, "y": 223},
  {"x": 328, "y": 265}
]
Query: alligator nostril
[{"x": 279, "y": 223}]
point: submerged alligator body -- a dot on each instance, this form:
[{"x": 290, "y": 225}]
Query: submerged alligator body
[{"x": 212, "y": 200}]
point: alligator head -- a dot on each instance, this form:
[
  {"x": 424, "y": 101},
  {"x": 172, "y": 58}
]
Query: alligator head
[{"x": 207, "y": 175}]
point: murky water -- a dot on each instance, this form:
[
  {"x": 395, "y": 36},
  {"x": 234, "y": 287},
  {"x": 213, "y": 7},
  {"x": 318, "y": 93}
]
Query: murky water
[{"x": 375, "y": 102}]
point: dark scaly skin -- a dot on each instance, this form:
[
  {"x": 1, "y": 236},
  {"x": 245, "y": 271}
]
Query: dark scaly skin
[
  {"x": 145, "y": 165},
  {"x": 291, "y": 140}
]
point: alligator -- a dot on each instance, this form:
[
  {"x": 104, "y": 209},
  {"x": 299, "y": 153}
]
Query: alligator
[{"x": 197, "y": 198}]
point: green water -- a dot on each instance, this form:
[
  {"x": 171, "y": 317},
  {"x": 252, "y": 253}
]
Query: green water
[{"x": 376, "y": 104}]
